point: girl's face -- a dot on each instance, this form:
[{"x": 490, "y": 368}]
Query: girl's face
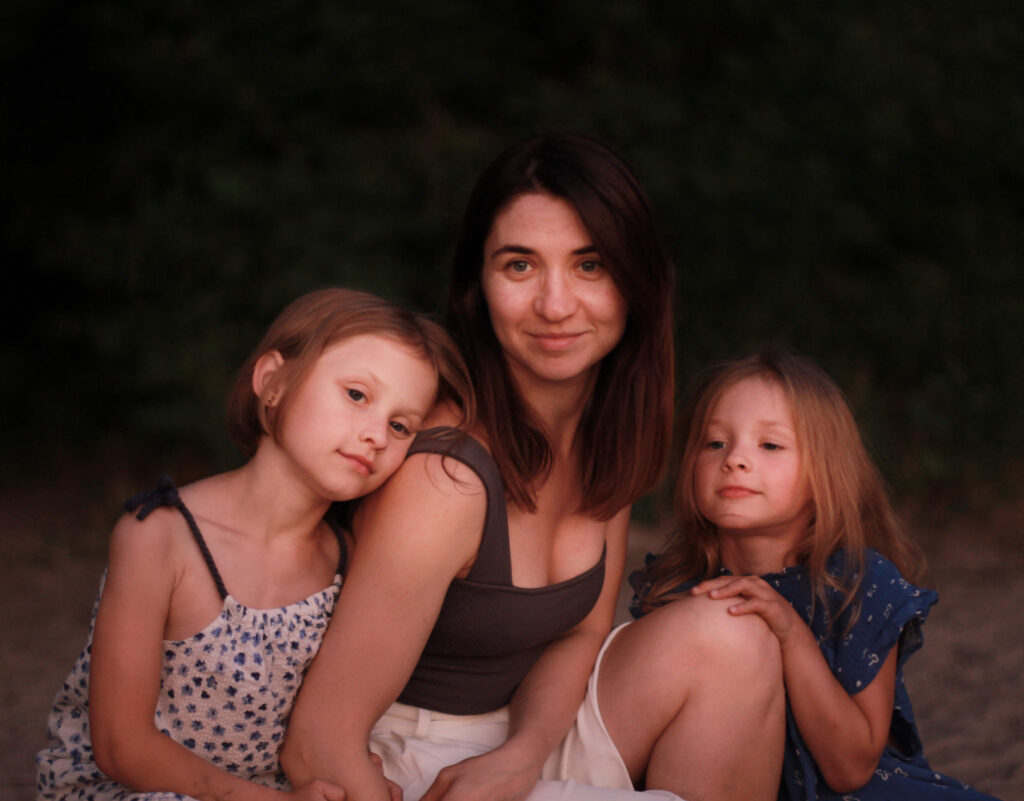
[
  {"x": 350, "y": 423},
  {"x": 749, "y": 476},
  {"x": 554, "y": 306}
]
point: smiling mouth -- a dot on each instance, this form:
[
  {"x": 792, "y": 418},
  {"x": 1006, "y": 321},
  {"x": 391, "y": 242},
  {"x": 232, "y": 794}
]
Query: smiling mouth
[{"x": 555, "y": 341}]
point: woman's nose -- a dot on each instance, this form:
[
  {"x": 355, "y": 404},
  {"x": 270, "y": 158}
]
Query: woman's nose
[{"x": 555, "y": 298}]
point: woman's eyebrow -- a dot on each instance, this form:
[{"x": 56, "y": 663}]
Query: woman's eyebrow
[
  {"x": 520, "y": 249},
  {"x": 525, "y": 251}
]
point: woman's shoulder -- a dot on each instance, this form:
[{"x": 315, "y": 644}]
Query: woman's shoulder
[
  {"x": 459, "y": 454},
  {"x": 437, "y": 471}
]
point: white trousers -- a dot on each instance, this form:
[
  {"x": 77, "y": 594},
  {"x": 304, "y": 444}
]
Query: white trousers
[{"x": 415, "y": 743}]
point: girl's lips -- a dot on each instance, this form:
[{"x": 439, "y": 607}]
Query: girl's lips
[
  {"x": 735, "y": 492},
  {"x": 362, "y": 465}
]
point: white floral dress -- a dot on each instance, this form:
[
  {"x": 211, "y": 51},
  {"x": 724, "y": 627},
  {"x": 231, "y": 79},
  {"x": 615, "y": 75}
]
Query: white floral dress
[{"x": 225, "y": 692}]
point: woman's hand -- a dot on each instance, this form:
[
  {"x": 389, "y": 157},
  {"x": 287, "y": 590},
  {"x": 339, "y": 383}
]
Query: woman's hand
[
  {"x": 758, "y": 598},
  {"x": 489, "y": 777},
  {"x": 393, "y": 789},
  {"x": 317, "y": 790}
]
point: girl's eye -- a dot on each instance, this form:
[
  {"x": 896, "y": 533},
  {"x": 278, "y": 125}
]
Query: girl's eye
[
  {"x": 771, "y": 446},
  {"x": 716, "y": 445},
  {"x": 356, "y": 395},
  {"x": 400, "y": 428}
]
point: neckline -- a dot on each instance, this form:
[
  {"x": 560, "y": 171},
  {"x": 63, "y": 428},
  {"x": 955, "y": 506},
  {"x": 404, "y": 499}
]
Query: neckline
[{"x": 321, "y": 598}]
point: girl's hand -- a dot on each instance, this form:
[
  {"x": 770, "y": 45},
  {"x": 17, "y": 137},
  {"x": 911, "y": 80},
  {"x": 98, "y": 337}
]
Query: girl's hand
[{"x": 758, "y": 598}]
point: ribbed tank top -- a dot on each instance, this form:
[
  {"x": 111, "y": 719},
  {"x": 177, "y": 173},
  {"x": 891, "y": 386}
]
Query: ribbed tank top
[{"x": 489, "y": 633}]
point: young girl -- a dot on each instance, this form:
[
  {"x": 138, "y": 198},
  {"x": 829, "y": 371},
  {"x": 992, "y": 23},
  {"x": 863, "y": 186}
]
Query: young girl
[
  {"x": 782, "y": 511},
  {"x": 211, "y": 609}
]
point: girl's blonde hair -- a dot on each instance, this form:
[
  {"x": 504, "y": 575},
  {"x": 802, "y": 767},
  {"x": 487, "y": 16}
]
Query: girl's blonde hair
[{"x": 851, "y": 510}]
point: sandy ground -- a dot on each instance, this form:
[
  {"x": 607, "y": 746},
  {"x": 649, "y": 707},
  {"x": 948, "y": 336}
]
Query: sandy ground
[{"x": 965, "y": 683}]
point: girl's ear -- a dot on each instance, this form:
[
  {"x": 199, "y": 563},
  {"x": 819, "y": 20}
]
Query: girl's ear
[{"x": 265, "y": 370}]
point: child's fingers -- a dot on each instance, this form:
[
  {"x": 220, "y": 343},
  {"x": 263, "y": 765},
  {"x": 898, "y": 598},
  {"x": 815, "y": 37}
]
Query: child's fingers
[
  {"x": 763, "y": 609},
  {"x": 713, "y": 584},
  {"x": 750, "y": 586}
]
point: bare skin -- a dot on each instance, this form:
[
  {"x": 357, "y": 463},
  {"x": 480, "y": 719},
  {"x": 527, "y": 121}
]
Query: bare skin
[{"x": 693, "y": 702}]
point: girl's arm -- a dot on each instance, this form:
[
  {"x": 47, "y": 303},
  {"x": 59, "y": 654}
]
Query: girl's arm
[
  {"x": 125, "y": 670},
  {"x": 546, "y": 702},
  {"x": 845, "y": 734},
  {"x": 414, "y": 535}
]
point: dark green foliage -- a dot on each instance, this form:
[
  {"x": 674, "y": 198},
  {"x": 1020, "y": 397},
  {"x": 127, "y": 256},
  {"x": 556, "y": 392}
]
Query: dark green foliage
[{"x": 845, "y": 178}]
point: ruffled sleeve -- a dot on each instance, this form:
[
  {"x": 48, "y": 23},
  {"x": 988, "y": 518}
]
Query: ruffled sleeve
[{"x": 892, "y": 611}]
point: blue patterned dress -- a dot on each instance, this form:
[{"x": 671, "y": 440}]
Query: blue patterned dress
[
  {"x": 892, "y": 613},
  {"x": 225, "y": 692}
]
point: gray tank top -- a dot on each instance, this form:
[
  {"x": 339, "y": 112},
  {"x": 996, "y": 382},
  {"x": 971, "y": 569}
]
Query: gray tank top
[{"x": 489, "y": 633}]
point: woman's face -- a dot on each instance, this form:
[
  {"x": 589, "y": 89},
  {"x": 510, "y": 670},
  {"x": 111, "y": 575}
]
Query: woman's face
[{"x": 554, "y": 306}]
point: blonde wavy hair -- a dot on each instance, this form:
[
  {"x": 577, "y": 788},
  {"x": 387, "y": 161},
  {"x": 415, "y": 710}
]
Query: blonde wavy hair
[{"x": 851, "y": 509}]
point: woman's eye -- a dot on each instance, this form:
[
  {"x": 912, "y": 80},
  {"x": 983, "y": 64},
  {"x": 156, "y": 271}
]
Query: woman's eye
[
  {"x": 356, "y": 395},
  {"x": 518, "y": 266},
  {"x": 590, "y": 266}
]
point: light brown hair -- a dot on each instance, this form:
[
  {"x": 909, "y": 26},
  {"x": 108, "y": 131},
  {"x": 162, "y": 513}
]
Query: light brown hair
[
  {"x": 851, "y": 509},
  {"x": 315, "y": 322},
  {"x": 626, "y": 428}
]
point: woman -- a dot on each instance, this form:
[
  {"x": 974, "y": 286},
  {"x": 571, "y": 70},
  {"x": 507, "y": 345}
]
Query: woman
[{"x": 487, "y": 569}]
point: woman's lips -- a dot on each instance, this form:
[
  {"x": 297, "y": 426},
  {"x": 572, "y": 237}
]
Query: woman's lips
[{"x": 555, "y": 341}]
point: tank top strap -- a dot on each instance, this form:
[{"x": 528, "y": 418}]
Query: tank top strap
[
  {"x": 336, "y": 521},
  {"x": 166, "y": 494},
  {"x": 493, "y": 564}
]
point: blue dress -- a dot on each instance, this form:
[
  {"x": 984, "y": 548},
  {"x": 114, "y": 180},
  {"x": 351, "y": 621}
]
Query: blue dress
[{"x": 892, "y": 612}]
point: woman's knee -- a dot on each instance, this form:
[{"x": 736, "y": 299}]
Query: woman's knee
[{"x": 705, "y": 630}]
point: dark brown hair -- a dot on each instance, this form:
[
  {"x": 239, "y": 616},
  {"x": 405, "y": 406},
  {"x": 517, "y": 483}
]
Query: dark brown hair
[
  {"x": 851, "y": 509},
  {"x": 625, "y": 429},
  {"x": 313, "y": 323}
]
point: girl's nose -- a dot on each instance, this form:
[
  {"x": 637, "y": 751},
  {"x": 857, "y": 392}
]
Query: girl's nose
[
  {"x": 375, "y": 432},
  {"x": 555, "y": 298},
  {"x": 736, "y": 459}
]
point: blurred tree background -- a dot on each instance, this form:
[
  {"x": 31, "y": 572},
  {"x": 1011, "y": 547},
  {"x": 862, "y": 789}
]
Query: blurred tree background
[{"x": 846, "y": 178}]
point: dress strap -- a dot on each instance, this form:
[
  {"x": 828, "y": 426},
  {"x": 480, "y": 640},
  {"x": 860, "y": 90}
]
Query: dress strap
[
  {"x": 166, "y": 494},
  {"x": 493, "y": 564}
]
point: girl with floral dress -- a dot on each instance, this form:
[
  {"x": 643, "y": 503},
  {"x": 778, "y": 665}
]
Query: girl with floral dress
[
  {"x": 216, "y": 596},
  {"x": 782, "y": 512}
]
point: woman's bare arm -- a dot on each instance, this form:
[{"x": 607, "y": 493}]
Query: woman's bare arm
[{"x": 414, "y": 535}]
